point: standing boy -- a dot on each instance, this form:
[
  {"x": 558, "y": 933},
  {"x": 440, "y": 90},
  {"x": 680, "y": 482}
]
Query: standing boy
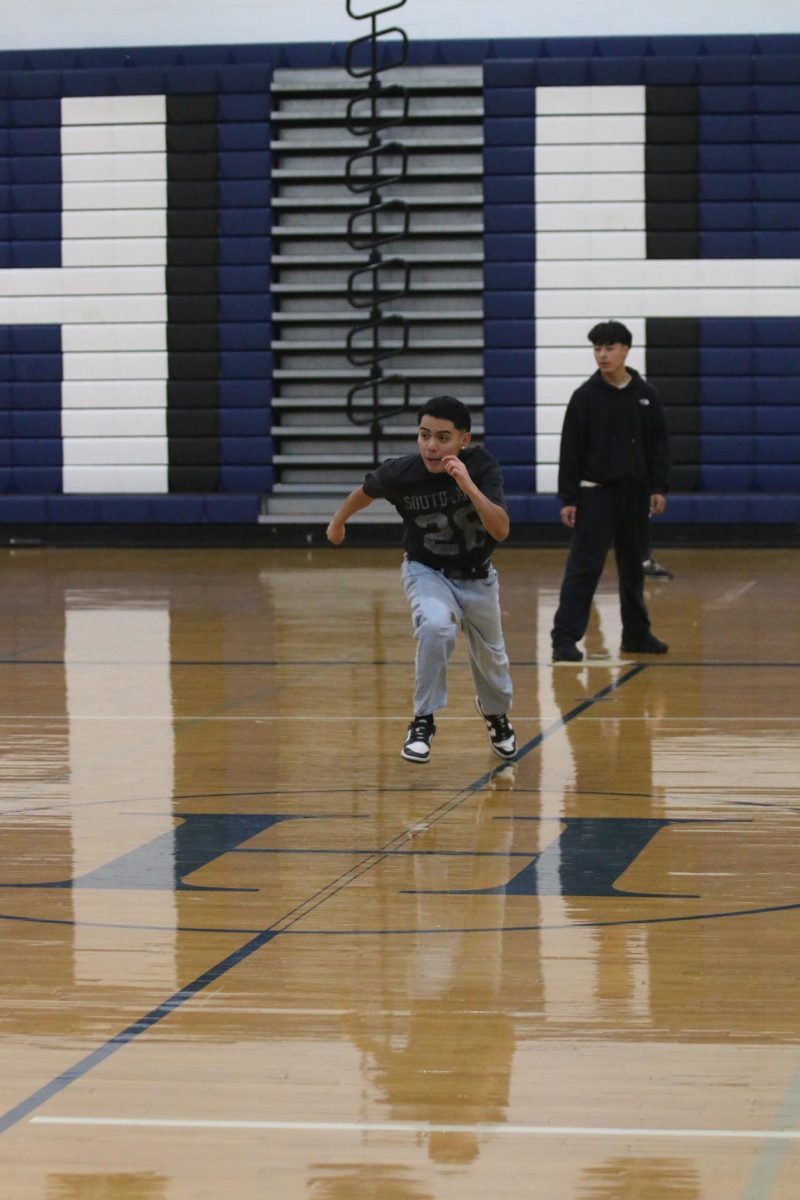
[
  {"x": 450, "y": 497},
  {"x": 614, "y": 467}
]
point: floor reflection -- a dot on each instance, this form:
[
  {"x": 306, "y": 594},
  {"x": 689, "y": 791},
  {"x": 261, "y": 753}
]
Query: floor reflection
[
  {"x": 445, "y": 1057},
  {"x": 132, "y": 1185},
  {"x": 121, "y": 748},
  {"x": 360, "y": 1181},
  {"x": 641, "y": 1179}
]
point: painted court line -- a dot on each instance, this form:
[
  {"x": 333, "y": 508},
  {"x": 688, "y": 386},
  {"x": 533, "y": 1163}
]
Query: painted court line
[
  {"x": 88, "y": 1062},
  {"x": 733, "y": 595},
  {"x": 416, "y": 1127},
  {"x": 319, "y": 719}
]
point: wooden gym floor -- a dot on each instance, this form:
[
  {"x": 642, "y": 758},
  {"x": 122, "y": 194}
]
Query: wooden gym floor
[{"x": 249, "y": 952}]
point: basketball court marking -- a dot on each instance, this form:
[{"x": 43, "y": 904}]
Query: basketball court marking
[
  {"x": 771, "y": 1156},
  {"x": 83, "y": 1066},
  {"x": 417, "y": 1127}
]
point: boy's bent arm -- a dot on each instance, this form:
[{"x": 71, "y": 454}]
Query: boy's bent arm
[
  {"x": 493, "y": 518},
  {"x": 357, "y": 500}
]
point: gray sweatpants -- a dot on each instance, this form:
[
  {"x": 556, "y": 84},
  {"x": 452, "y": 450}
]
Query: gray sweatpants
[{"x": 439, "y": 606}]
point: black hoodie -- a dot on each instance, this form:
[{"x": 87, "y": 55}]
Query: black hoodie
[{"x": 614, "y": 435}]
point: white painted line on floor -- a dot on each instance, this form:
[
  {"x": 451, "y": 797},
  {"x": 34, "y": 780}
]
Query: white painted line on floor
[
  {"x": 730, "y": 597},
  {"x": 319, "y": 718},
  {"x": 417, "y": 1127}
]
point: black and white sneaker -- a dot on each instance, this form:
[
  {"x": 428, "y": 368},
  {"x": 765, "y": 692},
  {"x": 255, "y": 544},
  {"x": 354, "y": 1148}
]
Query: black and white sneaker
[
  {"x": 502, "y": 738},
  {"x": 417, "y": 746},
  {"x": 654, "y": 570}
]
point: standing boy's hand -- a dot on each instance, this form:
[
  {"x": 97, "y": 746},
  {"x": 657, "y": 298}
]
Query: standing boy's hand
[{"x": 568, "y": 514}]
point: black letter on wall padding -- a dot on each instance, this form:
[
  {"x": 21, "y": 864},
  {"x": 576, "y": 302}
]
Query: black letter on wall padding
[
  {"x": 192, "y": 289},
  {"x": 671, "y": 160},
  {"x": 672, "y": 365}
]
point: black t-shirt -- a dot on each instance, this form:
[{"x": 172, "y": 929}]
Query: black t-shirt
[{"x": 441, "y": 524}]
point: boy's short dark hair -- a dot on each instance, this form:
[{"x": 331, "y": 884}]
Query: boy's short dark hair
[
  {"x": 608, "y": 333},
  {"x": 447, "y": 408}
]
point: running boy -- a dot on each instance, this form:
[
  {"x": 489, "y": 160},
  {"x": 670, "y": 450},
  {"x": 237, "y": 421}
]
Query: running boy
[{"x": 450, "y": 497}]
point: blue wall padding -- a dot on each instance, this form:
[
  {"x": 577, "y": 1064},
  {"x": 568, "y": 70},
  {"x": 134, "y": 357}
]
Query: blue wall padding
[
  {"x": 510, "y": 392},
  {"x": 237, "y": 393},
  {"x": 508, "y": 306},
  {"x": 509, "y": 449},
  {"x": 509, "y": 334},
  {"x": 245, "y": 422},
  {"x": 244, "y": 335},
  {"x": 516, "y": 419},
  {"x": 509, "y": 102},
  {"x": 246, "y": 479}
]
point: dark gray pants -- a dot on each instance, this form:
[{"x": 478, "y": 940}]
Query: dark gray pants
[{"x": 608, "y": 515}]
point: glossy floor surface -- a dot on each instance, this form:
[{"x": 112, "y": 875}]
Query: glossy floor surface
[{"x": 249, "y": 952}]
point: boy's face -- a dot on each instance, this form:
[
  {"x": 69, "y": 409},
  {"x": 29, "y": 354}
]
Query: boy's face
[
  {"x": 437, "y": 439},
  {"x": 611, "y": 358}
]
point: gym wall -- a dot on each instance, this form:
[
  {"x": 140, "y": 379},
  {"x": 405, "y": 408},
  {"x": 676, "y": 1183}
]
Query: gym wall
[{"x": 653, "y": 179}]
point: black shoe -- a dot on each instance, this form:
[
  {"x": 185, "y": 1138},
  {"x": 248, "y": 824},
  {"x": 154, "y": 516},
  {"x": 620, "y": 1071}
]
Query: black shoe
[
  {"x": 566, "y": 651},
  {"x": 417, "y": 746},
  {"x": 501, "y": 736},
  {"x": 654, "y": 570},
  {"x": 649, "y": 644}
]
